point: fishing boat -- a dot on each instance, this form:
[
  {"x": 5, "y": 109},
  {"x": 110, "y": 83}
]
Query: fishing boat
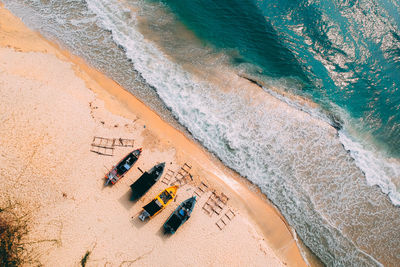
[
  {"x": 180, "y": 215},
  {"x": 158, "y": 203},
  {"x": 118, "y": 171},
  {"x": 146, "y": 181}
]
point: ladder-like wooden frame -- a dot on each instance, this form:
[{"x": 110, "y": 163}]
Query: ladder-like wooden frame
[{"x": 105, "y": 146}]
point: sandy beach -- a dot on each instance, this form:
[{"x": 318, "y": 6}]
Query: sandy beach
[{"x": 53, "y": 105}]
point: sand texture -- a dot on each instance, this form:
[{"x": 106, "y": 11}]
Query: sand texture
[{"x": 52, "y": 106}]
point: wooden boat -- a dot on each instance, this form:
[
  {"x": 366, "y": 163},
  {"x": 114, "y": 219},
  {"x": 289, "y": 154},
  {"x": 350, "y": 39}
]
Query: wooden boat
[
  {"x": 158, "y": 203},
  {"x": 146, "y": 181},
  {"x": 118, "y": 171},
  {"x": 179, "y": 216}
]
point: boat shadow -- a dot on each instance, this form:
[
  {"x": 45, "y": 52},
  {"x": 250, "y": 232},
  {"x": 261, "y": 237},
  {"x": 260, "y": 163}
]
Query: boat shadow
[
  {"x": 162, "y": 234},
  {"x": 126, "y": 200},
  {"x": 137, "y": 222}
]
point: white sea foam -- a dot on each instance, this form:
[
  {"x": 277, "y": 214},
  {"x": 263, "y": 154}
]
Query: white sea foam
[
  {"x": 297, "y": 160},
  {"x": 287, "y": 153},
  {"x": 378, "y": 170}
]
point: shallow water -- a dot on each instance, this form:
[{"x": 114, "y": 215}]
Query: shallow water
[{"x": 181, "y": 64}]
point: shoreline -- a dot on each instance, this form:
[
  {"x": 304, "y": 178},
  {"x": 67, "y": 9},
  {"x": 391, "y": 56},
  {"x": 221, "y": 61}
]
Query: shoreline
[{"x": 121, "y": 103}]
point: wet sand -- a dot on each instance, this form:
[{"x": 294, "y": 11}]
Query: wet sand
[{"x": 53, "y": 106}]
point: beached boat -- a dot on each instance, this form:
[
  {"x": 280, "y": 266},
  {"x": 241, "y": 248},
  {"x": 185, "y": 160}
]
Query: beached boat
[
  {"x": 158, "y": 203},
  {"x": 146, "y": 181},
  {"x": 118, "y": 171},
  {"x": 179, "y": 216}
]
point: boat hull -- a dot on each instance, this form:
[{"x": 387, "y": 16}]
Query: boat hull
[
  {"x": 146, "y": 181},
  {"x": 179, "y": 216},
  {"x": 118, "y": 171},
  {"x": 159, "y": 203}
]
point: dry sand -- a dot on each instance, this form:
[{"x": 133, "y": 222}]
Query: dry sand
[{"x": 52, "y": 105}]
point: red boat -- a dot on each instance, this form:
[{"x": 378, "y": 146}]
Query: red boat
[{"x": 123, "y": 167}]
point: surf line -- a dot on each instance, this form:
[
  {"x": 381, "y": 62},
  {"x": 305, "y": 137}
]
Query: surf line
[{"x": 333, "y": 119}]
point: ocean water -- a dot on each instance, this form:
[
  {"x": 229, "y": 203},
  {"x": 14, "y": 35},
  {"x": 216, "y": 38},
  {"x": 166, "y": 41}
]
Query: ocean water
[{"x": 318, "y": 126}]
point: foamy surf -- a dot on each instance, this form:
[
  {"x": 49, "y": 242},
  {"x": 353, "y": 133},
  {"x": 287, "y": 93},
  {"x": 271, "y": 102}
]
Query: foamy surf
[
  {"x": 378, "y": 170},
  {"x": 278, "y": 149},
  {"x": 295, "y": 158}
]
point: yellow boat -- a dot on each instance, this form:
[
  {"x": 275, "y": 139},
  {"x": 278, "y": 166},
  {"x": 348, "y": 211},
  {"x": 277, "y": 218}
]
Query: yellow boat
[{"x": 159, "y": 203}]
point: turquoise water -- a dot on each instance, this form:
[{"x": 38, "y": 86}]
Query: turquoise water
[
  {"x": 338, "y": 187},
  {"x": 344, "y": 53},
  {"x": 241, "y": 26}
]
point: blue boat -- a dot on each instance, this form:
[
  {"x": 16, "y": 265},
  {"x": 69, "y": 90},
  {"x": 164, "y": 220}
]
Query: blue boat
[{"x": 179, "y": 216}]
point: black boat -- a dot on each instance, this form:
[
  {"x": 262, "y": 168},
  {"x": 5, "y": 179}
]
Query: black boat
[
  {"x": 146, "y": 181},
  {"x": 180, "y": 215},
  {"x": 118, "y": 171}
]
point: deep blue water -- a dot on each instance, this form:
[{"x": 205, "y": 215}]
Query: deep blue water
[
  {"x": 344, "y": 54},
  {"x": 174, "y": 56}
]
